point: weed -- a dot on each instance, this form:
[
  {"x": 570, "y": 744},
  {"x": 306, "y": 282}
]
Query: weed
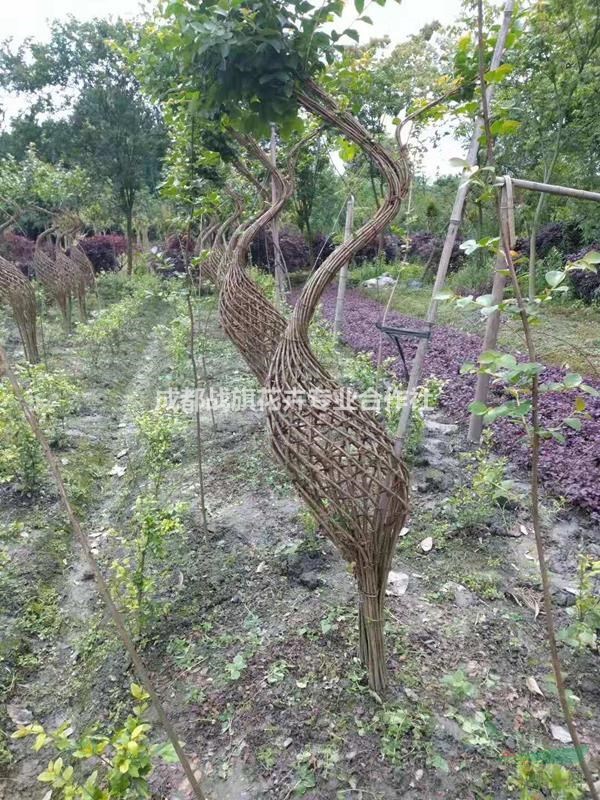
[
  {"x": 459, "y": 685},
  {"x": 235, "y": 668},
  {"x": 484, "y": 491},
  {"x": 484, "y": 585},
  {"x": 533, "y": 780},
  {"x": 403, "y": 732},
  {"x": 277, "y": 671}
]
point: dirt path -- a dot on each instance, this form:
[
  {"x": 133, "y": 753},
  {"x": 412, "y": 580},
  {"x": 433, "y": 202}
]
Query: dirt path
[
  {"x": 257, "y": 656},
  {"x": 45, "y": 694}
]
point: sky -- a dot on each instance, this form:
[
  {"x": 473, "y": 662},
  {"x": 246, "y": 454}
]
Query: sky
[{"x": 30, "y": 18}]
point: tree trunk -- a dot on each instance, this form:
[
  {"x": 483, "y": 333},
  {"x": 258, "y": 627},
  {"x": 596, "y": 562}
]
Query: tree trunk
[{"x": 129, "y": 213}]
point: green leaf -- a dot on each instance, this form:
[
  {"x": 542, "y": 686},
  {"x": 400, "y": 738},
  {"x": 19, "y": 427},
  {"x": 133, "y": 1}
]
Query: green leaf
[
  {"x": 574, "y": 423},
  {"x": 478, "y": 408},
  {"x": 497, "y": 75},
  {"x": 460, "y": 162},
  {"x": 359, "y": 5},
  {"x": 572, "y": 380},
  {"x": 505, "y": 127}
]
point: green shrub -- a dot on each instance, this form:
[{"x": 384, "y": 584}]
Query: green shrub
[
  {"x": 474, "y": 278},
  {"x": 113, "y": 766},
  {"x": 484, "y": 491},
  {"x": 54, "y": 397}
]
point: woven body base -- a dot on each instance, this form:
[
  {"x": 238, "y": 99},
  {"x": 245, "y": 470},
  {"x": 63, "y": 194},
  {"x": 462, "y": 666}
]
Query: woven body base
[
  {"x": 54, "y": 281},
  {"x": 17, "y": 291}
]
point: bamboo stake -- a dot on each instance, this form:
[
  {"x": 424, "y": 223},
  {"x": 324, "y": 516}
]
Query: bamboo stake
[
  {"x": 453, "y": 227},
  {"x": 492, "y": 327},
  {"x": 343, "y": 279},
  {"x": 103, "y": 589}
]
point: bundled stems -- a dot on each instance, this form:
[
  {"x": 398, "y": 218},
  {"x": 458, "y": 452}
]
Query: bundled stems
[{"x": 104, "y": 591}]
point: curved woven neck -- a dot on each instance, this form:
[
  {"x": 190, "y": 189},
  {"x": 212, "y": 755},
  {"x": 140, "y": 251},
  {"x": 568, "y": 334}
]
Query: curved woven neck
[{"x": 397, "y": 174}]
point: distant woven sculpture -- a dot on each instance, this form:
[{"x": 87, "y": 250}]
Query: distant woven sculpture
[
  {"x": 75, "y": 279},
  {"x": 340, "y": 458},
  {"x": 86, "y": 267},
  {"x": 54, "y": 280},
  {"x": 17, "y": 291}
]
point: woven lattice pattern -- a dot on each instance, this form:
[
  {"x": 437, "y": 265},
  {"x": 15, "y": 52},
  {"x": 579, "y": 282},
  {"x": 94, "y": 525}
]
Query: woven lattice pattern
[
  {"x": 17, "y": 291},
  {"x": 86, "y": 267},
  {"x": 211, "y": 266},
  {"x": 75, "y": 279},
  {"x": 54, "y": 281}
]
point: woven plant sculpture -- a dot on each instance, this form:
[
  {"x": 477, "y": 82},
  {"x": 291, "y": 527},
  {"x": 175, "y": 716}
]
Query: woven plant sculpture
[
  {"x": 16, "y": 290},
  {"x": 339, "y": 456},
  {"x": 74, "y": 278},
  {"x": 248, "y": 318},
  {"x": 252, "y": 323},
  {"x": 55, "y": 282},
  {"x": 79, "y": 257},
  {"x": 211, "y": 267}
]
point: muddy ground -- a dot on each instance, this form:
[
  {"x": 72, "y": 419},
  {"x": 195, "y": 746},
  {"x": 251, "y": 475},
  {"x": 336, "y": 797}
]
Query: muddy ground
[{"x": 256, "y": 658}]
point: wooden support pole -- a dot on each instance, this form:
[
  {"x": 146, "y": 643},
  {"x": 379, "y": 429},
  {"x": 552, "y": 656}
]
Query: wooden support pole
[
  {"x": 280, "y": 268},
  {"x": 343, "y": 279},
  {"x": 453, "y": 227},
  {"x": 490, "y": 341}
]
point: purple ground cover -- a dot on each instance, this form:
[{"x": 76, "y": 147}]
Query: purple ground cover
[{"x": 571, "y": 470}]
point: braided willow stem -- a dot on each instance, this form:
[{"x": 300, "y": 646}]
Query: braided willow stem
[
  {"x": 248, "y": 318},
  {"x": 212, "y": 264},
  {"x": 18, "y": 293},
  {"x": 339, "y": 456}
]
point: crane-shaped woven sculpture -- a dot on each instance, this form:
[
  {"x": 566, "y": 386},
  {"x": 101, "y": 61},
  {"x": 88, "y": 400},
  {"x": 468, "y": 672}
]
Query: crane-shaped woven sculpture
[
  {"x": 339, "y": 456},
  {"x": 16, "y": 290},
  {"x": 54, "y": 280}
]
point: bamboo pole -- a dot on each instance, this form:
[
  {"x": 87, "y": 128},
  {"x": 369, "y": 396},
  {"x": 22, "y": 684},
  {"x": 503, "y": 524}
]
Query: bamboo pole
[
  {"x": 453, "y": 227},
  {"x": 493, "y": 321},
  {"x": 343, "y": 279}
]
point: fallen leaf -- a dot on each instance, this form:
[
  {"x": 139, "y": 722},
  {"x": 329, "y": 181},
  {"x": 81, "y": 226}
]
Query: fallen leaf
[
  {"x": 523, "y": 530},
  {"x": 397, "y": 584},
  {"x": 122, "y": 453},
  {"x": 560, "y": 734},
  {"x": 261, "y": 567},
  {"x": 427, "y": 544},
  {"x": 118, "y": 470},
  {"x": 533, "y": 686},
  {"x": 18, "y": 715}
]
